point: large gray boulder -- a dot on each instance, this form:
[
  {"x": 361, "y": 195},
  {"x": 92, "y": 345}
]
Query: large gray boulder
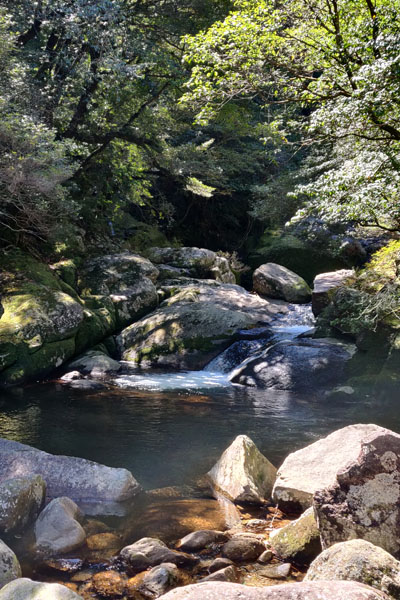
[
  {"x": 242, "y": 473},
  {"x": 275, "y": 281},
  {"x": 57, "y": 529},
  {"x": 197, "y": 322},
  {"x": 77, "y": 478},
  {"x": 26, "y": 589},
  {"x": 10, "y": 568},
  {"x": 197, "y": 262},
  {"x": 299, "y": 541},
  {"x": 150, "y": 552},
  {"x": 316, "y": 466},
  {"x": 325, "y": 284},
  {"x": 299, "y": 365},
  {"x": 20, "y": 502},
  {"x": 310, "y": 590},
  {"x": 358, "y": 560},
  {"x": 364, "y": 501},
  {"x": 126, "y": 280}
]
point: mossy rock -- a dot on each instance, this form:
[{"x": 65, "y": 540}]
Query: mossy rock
[{"x": 66, "y": 270}]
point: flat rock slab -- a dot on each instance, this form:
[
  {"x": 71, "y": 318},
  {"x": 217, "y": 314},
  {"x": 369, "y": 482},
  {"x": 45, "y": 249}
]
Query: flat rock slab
[
  {"x": 315, "y": 590},
  {"x": 77, "y": 478},
  {"x": 315, "y": 467},
  {"x": 324, "y": 285},
  {"x": 364, "y": 502}
]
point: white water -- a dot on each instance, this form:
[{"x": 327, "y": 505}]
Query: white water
[{"x": 218, "y": 373}]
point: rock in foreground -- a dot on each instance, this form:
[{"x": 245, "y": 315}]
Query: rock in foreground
[
  {"x": 26, "y": 589},
  {"x": 358, "y": 560},
  {"x": 299, "y": 541},
  {"x": 315, "y": 590},
  {"x": 243, "y": 473},
  {"x": 77, "y": 478},
  {"x": 20, "y": 502},
  {"x": 57, "y": 529},
  {"x": 364, "y": 502},
  {"x": 9, "y": 566},
  {"x": 275, "y": 281},
  {"x": 315, "y": 467}
]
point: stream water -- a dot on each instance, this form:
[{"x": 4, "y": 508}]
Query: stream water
[{"x": 169, "y": 428}]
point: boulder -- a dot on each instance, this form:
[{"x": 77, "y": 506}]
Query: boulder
[
  {"x": 197, "y": 262},
  {"x": 298, "y": 365},
  {"x": 364, "y": 501},
  {"x": 324, "y": 285},
  {"x": 299, "y": 541},
  {"x": 126, "y": 279},
  {"x": 198, "y": 540},
  {"x": 243, "y": 473},
  {"x": 275, "y": 281},
  {"x": 95, "y": 363},
  {"x": 57, "y": 529},
  {"x": 26, "y": 589},
  {"x": 77, "y": 478},
  {"x": 243, "y": 547},
  {"x": 20, "y": 502},
  {"x": 316, "y": 466},
  {"x": 310, "y": 590},
  {"x": 358, "y": 560},
  {"x": 153, "y": 552},
  {"x": 10, "y": 568},
  {"x": 194, "y": 324}
]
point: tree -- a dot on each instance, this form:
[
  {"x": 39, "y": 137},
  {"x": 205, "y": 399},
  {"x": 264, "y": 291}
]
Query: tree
[{"x": 338, "y": 61}]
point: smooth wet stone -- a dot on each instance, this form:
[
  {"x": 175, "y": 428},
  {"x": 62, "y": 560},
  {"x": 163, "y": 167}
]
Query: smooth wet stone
[
  {"x": 243, "y": 548},
  {"x": 364, "y": 502},
  {"x": 313, "y": 590},
  {"x": 26, "y": 589},
  {"x": 281, "y": 571},
  {"x": 358, "y": 560},
  {"x": 324, "y": 285},
  {"x": 63, "y": 565},
  {"x": 159, "y": 580},
  {"x": 21, "y": 499},
  {"x": 198, "y": 540},
  {"x": 299, "y": 541},
  {"x": 265, "y": 557},
  {"x": 95, "y": 362},
  {"x": 9, "y": 565},
  {"x": 219, "y": 563},
  {"x": 71, "y": 376},
  {"x": 155, "y": 552},
  {"x": 77, "y": 478},
  {"x": 57, "y": 529},
  {"x": 316, "y": 466},
  {"x": 275, "y": 281},
  {"x": 109, "y": 584},
  {"x": 242, "y": 473},
  {"x": 227, "y": 574}
]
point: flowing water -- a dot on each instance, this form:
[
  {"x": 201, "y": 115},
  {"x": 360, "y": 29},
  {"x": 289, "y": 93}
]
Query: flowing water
[{"x": 169, "y": 428}]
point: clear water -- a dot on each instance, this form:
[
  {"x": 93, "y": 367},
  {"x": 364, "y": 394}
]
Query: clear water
[{"x": 169, "y": 434}]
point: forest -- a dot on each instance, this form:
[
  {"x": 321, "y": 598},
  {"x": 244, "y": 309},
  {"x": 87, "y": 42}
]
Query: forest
[{"x": 199, "y": 299}]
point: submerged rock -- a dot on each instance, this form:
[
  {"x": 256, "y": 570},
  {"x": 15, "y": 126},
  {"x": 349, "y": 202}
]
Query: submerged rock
[
  {"x": 197, "y": 322},
  {"x": 299, "y": 541},
  {"x": 109, "y": 584},
  {"x": 77, "y": 478},
  {"x": 315, "y": 467},
  {"x": 298, "y": 365},
  {"x": 364, "y": 501},
  {"x": 358, "y": 560},
  {"x": 275, "y": 281},
  {"x": 9, "y": 566},
  {"x": 26, "y": 589},
  {"x": 57, "y": 529},
  {"x": 21, "y": 499},
  {"x": 313, "y": 590},
  {"x": 243, "y": 473}
]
